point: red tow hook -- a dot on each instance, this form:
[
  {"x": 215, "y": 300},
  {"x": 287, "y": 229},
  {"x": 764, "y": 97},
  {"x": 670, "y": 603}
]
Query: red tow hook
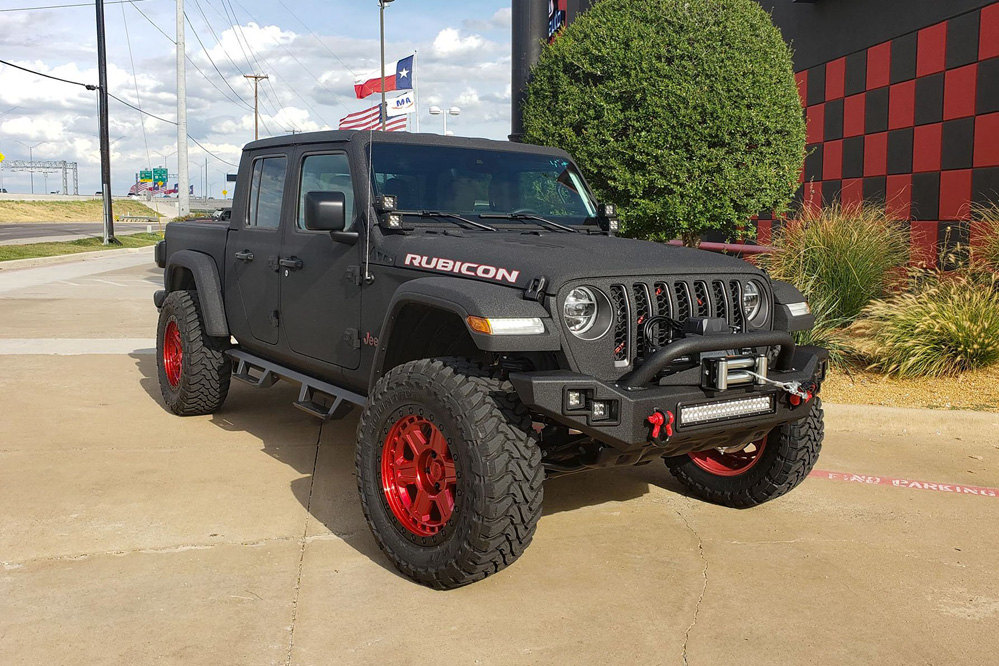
[
  {"x": 659, "y": 421},
  {"x": 797, "y": 400}
]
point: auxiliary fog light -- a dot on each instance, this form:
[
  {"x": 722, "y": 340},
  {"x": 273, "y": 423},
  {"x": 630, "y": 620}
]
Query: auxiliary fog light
[
  {"x": 507, "y": 326},
  {"x": 575, "y": 399},
  {"x": 728, "y": 409},
  {"x": 599, "y": 410}
]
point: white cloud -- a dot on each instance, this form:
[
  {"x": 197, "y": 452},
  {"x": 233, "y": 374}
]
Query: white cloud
[{"x": 449, "y": 42}]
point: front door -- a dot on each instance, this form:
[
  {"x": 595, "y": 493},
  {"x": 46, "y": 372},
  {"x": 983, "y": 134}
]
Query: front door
[
  {"x": 320, "y": 290},
  {"x": 253, "y": 251}
]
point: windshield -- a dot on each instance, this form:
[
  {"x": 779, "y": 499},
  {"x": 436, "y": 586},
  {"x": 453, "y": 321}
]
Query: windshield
[{"x": 470, "y": 182}]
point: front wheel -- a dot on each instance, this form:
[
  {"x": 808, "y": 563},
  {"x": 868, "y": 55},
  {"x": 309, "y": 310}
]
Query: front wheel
[
  {"x": 759, "y": 472},
  {"x": 449, "y": 471}
]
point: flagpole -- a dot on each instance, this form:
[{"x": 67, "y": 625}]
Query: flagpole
[
  {"x": 381, "y": 18},
  {"x": 416, "y": 91}
]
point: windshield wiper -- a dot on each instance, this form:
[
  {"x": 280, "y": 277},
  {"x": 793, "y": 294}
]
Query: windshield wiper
[
  {"x": 523, "y": 217},
  {"x": 448, "y": 216}
]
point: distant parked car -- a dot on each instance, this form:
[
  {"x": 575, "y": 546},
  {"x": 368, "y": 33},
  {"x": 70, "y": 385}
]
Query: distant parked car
[{"x": 222, "y": 214}]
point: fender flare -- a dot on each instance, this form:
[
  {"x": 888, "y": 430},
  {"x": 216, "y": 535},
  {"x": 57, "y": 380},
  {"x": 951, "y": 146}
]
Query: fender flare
[
  {"x": 786, "y": 293},
  {"x": 464, "y": 298},
  {"x": 208, "y": 284}
]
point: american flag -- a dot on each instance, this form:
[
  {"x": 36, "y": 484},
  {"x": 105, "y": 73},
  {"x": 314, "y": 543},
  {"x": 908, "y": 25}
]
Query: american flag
[{"x": 370, "y": 119}]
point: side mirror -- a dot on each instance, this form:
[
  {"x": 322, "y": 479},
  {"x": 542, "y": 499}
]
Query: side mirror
[{"x": 325, "y": 211}]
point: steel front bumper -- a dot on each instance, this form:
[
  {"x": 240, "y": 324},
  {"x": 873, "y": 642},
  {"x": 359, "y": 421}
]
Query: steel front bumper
[{"x": 627, "y": 427}]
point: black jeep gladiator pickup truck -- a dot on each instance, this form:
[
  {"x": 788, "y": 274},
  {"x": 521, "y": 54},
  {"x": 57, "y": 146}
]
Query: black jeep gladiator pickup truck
[{"x": 472, "y": 298}]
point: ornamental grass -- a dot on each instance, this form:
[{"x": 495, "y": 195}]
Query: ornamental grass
[{"x": 946, "y": 326}]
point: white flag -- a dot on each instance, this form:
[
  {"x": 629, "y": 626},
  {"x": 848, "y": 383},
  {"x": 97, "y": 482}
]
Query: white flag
[{"x": 401, "y": 105}]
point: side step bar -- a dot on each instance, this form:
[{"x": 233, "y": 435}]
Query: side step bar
[{"x": 259, "y": 373}]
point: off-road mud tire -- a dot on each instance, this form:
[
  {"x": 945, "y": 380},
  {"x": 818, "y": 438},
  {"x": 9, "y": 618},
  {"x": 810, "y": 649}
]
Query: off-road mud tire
[
  {"x": 205, "y": 369},
  {"x": 789, "y": 455},
  {"x": 499, "y": 486}
]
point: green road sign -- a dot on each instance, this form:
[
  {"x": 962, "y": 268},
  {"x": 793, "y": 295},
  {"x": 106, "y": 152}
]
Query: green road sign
[
  {"x": 160, "y": 176},
  {"x": 146, "y": 176}
]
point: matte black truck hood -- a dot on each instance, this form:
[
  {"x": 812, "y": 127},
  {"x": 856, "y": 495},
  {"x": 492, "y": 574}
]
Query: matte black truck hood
[{"x": 516, "y": 258}]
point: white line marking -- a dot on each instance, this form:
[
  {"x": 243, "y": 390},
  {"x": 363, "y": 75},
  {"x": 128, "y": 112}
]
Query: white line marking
[
  {"x": 76, "y": 346},
  {"x": 110, "y": 282}
]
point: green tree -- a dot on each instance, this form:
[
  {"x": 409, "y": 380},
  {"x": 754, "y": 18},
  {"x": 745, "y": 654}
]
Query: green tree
[{"x": 685, "y": 113}]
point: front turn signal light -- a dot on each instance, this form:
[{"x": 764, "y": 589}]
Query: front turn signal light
[{"x": 507, "y": 325}]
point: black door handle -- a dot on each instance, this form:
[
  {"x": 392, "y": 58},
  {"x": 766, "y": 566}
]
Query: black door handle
[
  {"x": 245, "y": 255},
  {"x": 291, "y": 263}
]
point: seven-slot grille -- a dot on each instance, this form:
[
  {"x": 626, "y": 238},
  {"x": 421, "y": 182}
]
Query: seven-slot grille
[{"x": 636, "y": 302}]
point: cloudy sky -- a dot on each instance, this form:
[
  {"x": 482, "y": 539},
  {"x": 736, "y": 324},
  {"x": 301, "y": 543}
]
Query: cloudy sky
[{"x": 310, "y": 49}]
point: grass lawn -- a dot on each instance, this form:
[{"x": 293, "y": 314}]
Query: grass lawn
[
  {"x": 19, "y": 212},
  {"x": 33, "y": 250}
]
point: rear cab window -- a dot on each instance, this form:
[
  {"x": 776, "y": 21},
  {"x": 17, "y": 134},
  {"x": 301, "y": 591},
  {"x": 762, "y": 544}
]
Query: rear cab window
[{"x": 266, "y": 192}]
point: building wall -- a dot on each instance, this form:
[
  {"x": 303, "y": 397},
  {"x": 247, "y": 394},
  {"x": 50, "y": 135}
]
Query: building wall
[{"x": 912, "y": 121}]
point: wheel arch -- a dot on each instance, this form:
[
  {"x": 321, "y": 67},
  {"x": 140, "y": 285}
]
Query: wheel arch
[
  {"x": 421, "y": 309},
  {"x": 196, "y": 271}
]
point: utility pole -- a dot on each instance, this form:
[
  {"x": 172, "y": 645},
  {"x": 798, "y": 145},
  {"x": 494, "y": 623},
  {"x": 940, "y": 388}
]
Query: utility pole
[
  {"x": 257, "y": 78},
  {"x": 183, "y": 173},
  {"x": 102, "y": 113}
]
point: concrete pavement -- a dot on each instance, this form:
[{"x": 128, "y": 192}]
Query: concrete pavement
[{"x": 128, "y": 535}]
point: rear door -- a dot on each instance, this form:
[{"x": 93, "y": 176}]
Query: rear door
[
  {"x": 254, "y": 249},
  {"x": 320, "y": 284}
]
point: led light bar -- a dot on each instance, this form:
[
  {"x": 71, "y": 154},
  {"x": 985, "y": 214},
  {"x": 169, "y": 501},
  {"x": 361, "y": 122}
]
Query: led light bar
[
  {"x": 507, "y": 326},
  {"x": 727, "y": 409}
]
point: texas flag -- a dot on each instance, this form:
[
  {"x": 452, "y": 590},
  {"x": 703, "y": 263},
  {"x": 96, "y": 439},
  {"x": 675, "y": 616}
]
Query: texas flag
[{"x": 398, "y": 76}]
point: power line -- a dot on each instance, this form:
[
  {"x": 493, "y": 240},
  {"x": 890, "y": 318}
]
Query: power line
[
  {"x": 290, "y": 87},
  {"x": 238, "y": 32},
  {"x": 186, "y": 57},
  {"x": 169, "y": 122},
  {"x": 88, "y": 86},
  {"x": 135, "y": 80},
  {"x": 79, "y": 4},
  {"x": 208, "y": 55}
]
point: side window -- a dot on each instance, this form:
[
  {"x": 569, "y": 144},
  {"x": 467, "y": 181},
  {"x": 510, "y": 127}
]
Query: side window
[
  {"x": 326, "y": 173},
  {"x": 267, "y": 192}
]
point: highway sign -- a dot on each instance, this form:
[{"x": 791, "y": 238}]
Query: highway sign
[
  {"x": 2, "y": 157},
  {"x": 146, "y": 176},
  {"x": 160, "y": 176},
  {"x": 225, "y": 192}
]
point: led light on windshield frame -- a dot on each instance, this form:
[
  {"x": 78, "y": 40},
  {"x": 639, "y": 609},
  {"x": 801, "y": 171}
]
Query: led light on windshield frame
[
  {"x": 727, "y": 409},
  {"x": 507, "y": 325},
  {"x": 798, "y": 309}
]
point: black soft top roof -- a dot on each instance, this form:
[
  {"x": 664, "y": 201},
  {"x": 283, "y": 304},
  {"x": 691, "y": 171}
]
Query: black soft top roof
[{"x": 402, "y": 138}]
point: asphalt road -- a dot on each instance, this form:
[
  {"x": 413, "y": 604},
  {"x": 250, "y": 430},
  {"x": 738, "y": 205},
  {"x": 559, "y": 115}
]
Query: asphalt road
[{"x": 43, "y": 230}]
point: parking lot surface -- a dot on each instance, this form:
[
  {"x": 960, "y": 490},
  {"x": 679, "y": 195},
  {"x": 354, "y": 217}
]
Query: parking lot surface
[{"x": 131, "y": 536}]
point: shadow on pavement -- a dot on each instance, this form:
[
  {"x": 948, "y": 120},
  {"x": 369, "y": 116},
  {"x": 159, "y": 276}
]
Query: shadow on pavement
[{"x": 327, "y": 487}]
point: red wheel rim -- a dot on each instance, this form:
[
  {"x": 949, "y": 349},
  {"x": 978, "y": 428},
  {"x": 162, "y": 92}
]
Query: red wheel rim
[
  {"x": 735, "y": 463},
  {"x": 173, "y": 353},
  {"x": 418, "y": 475}
]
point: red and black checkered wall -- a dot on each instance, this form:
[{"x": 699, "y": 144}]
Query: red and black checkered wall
[{"x": 913, "y": 123}]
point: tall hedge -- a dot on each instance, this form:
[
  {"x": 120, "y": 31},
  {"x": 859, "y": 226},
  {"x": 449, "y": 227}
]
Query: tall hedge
[{"x": 685, "y": 113}]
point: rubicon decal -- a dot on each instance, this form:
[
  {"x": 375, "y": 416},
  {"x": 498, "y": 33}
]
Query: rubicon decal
[{"x": 462, "y": 268}]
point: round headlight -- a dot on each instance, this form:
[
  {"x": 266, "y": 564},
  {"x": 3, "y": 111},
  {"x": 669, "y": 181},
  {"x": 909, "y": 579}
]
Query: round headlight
[
  {"x": 580, "y": 310},
  {"x": 754, "y": 303}
]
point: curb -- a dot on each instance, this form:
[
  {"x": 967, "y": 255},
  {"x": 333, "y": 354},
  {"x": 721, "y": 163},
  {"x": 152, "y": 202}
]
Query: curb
[{"x": 18, "y": 264}]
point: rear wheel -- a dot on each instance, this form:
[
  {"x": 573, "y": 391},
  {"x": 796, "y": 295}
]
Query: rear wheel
[
  {"x": 194, "y": 371},
  {"x": 449, "y": 471},
  {"x": 759, "y": 472}
]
